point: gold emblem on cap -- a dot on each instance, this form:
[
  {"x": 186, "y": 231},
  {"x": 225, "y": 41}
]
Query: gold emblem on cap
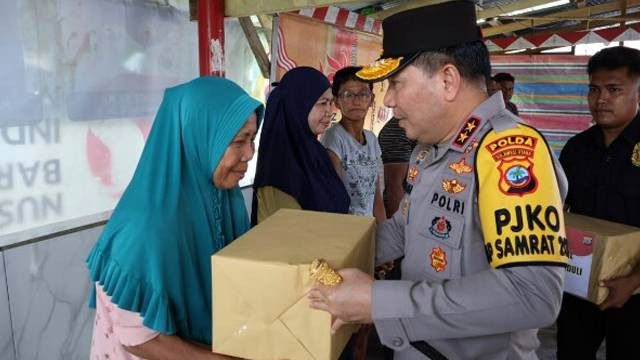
[
  {"x": 635, "y": 155},
  {"x": 322, "y": 272},
  {"x": 379, "y": 68}
]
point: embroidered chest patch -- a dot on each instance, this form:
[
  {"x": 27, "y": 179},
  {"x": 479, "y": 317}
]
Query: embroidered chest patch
[
  {"x": 440, "y": 227},
  {"x": 453, "y": 186},
  {"x": 405, "y": 206},
  {"x": 412, "y": 174},
  {"x": 460, "y": 167},
  {"x": 438, "y": 259},
  {"x": 635, "y": 155}
]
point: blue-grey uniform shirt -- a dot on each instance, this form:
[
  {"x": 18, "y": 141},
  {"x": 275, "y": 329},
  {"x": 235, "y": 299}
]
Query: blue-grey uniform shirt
[{"x": 467, "y": 297}]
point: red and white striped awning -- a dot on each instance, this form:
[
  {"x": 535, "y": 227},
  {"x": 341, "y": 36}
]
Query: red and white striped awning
[
  {"x": 343, "y": 17},
  {"x": 353, "y": 20},
  {"x": 568, "y": 38}
]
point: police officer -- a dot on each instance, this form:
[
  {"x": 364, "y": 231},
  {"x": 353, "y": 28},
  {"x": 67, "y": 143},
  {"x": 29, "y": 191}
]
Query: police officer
[{"x": 481, "y": 231}]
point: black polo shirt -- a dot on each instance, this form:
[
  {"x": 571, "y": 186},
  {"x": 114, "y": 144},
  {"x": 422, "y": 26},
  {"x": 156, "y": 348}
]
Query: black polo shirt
[
  {"x": 394, "y": 144},
  {"x": 603, "y": 182}
]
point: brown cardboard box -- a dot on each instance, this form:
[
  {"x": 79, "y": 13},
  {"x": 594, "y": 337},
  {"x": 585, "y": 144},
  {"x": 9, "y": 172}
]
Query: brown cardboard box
[
  {"x": 261, "y": 280},
  {"x": 600, "y": 250}
]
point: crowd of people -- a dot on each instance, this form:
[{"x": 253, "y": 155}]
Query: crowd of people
[{"x": 450, "y": 199}]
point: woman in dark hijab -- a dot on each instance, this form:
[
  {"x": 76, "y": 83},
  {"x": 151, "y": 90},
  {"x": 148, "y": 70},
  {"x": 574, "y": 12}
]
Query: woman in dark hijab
[{"x": 294, "y": 170}]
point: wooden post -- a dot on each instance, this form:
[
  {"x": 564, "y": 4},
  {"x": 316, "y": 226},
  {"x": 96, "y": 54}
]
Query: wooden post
[{"x": 256, "y": 45}]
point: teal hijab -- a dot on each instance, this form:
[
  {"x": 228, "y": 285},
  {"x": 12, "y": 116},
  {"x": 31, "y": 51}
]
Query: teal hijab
[{"x": 154, "y": 256}]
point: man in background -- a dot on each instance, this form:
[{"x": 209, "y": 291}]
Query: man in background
[
  {"x": 396, "y": 151},
  {"x": 506, "y": 83},
  {"x": 602, "y": 165},
  {"x": 492, "y": 86}
]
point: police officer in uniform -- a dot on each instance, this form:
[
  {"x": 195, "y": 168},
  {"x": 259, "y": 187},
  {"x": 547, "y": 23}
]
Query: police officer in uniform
[{"x": 481, "y": 231}]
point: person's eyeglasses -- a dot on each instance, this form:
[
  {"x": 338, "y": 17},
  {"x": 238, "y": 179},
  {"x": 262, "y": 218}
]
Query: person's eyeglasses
[{"x": 349, "y": 96}]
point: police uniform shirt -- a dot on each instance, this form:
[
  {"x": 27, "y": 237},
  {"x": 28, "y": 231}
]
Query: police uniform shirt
[
  {"x": 604, "y": 181},
  {"x": 483, "y": 237}
]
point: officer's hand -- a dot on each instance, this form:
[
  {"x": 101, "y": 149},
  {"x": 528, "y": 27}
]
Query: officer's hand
[
  {"x": 349, "y": 302},
  {"x": 620, "y": 290}
]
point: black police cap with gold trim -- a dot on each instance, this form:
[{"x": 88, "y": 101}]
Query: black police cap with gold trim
[{"x": 409, "y": 33}]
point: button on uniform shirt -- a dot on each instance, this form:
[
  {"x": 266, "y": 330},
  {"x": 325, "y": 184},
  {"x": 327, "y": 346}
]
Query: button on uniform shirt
[
  {"x": 604, "y": 181},
  {"x": 483, "y": 237}
]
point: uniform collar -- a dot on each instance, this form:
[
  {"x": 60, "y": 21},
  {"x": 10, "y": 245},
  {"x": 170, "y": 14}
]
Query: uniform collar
[
  {"x": 630, "y": 134},
  {"x": 476, "y": 120}
]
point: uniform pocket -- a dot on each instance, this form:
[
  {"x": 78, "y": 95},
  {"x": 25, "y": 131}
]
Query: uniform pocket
[
  {"x": 442, "y": 235},
  {"x": 443, "y": 227}
]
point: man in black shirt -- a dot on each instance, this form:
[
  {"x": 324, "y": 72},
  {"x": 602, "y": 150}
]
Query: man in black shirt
[
  {"x": 602, "y": 165},
  {"x": 506, "y": 83},
  {"x": 396, "y": 150}
]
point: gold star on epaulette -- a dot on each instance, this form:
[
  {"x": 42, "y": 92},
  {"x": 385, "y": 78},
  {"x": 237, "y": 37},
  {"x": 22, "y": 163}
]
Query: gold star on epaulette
[{"x": 470, "y": 126}]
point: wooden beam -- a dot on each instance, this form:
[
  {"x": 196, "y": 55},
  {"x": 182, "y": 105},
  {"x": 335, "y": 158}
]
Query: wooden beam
[
  {"x": 239, "y": 8},
  {"x": 256, "y": 45},
  {"x": 495, "y": 22},
  {"x": 620, "y": 19},
  {"x": 515, "y": 6},
  {"x": 405, "y": 6},
  {"x": 491, "y": 21},
  {"x": 480, "y": 14},
  {"x": 266, "y": 21},
  {"x": 584, "y": 25},
  {"x": 584, "y": 12}
]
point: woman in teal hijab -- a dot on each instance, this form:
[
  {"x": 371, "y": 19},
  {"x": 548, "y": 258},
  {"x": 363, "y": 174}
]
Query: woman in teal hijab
[{"x": 181, "y": 206}]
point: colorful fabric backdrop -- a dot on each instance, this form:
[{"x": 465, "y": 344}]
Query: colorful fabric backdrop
[
  {"x": 550, "y": 92},
  {"x": 328, "y": 48}
]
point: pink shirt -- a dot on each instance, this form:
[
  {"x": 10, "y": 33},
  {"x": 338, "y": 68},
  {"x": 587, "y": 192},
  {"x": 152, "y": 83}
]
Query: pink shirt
[{"x": 115, "y": 328}]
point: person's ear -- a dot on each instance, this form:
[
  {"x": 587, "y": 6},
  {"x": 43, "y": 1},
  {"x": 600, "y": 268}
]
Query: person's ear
[{"x": 451, "y": 80}]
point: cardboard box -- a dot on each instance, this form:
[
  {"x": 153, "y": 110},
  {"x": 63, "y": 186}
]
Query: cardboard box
[
  {"x": 600, "y": 250},
  {"x": 261, "y": 280}
]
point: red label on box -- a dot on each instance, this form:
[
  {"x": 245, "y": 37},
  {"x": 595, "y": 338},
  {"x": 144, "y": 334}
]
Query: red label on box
[{"x": 580, "y": 242}]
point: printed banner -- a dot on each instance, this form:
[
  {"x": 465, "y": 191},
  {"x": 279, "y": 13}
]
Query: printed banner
[{"x": 304, "y": 41}]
